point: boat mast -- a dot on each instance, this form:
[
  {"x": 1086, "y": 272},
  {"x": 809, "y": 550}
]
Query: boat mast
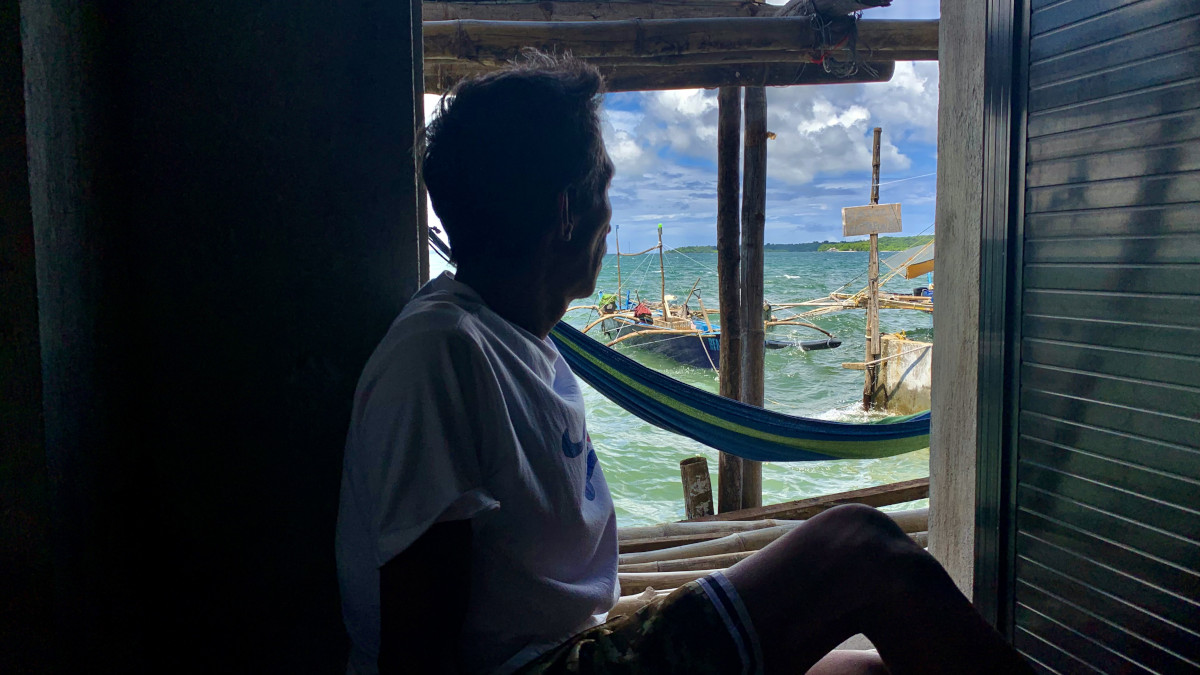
[
  {"x": 617, "y": 240},
  {"x": 662, "y": 271}
]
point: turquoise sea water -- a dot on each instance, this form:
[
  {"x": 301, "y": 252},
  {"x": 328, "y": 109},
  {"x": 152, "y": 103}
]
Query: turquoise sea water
[{"x": 641, "y": 462}]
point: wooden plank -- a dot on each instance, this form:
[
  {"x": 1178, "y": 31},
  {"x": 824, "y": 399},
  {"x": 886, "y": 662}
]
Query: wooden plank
[
  {"x": 879, "y": 495},
  {"x": 594, "y": 10},
  {"x": 770, "y": 39},
  {"x": 871, "y": 219},
  {"x": 441, "y": 76},
  {"x": 609, "y": 10}
]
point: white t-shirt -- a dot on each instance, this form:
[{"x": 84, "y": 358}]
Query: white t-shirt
[{"x": 460, "y": 414}]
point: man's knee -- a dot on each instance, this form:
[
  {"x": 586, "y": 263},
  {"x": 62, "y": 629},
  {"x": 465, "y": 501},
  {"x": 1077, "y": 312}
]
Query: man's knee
[{"x": 861, "y": 533}]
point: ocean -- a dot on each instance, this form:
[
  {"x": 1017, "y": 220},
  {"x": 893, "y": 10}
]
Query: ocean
[{"x": 641, "y": 462}]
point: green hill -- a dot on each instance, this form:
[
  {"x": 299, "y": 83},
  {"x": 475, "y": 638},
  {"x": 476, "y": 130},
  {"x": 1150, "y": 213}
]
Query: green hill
[{"x": 885, "y": 244}]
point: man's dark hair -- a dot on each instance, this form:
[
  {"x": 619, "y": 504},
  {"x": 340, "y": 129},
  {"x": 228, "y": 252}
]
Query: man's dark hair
[{"x": 503, "y": 146}]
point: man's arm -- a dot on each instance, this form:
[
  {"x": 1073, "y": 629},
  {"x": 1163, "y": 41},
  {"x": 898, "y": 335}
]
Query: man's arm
[{"x": 423, "y": 594}]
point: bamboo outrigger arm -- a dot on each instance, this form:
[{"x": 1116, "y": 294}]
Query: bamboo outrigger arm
[
  {"x": 658, "y": 41},
  {"x": 792, "y": 322},
  {"x": 654, "y": 331},
  {"x": 602, "y": 318}
]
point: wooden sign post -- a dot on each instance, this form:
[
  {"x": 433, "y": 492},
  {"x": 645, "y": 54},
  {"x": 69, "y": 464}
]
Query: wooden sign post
[{"x": 872, "y": 220}]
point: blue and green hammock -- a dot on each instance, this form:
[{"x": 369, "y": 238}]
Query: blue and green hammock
[
  {"x": 722, "y": 423},
  {"x": 727, "y": 425}
]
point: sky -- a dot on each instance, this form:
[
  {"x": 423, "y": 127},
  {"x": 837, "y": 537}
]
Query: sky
[{"x": 664, "y": 146}]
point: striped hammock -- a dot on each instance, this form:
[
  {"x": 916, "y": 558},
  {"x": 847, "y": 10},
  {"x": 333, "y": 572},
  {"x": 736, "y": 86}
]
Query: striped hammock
[{"x": 728, "y": 425}]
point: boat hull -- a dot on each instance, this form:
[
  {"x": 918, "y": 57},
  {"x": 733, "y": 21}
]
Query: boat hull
[{"x": 701, "y": 350}]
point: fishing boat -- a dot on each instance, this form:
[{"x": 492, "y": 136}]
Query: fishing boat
[{"x": 687, "y": 335}]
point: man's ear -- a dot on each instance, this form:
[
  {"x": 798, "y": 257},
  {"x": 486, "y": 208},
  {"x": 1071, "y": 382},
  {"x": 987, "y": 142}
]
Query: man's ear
[{"x": 566, "y": 223}]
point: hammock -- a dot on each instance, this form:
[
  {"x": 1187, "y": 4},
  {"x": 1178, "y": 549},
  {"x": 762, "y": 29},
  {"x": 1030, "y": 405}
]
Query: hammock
[{"x": 727, "y": 425}]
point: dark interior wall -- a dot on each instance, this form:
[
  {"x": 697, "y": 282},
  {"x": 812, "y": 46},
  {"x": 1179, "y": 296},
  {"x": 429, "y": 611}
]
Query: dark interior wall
[
  {"x": 25, "y": 615},
  {"x": 224, "y": 204}
]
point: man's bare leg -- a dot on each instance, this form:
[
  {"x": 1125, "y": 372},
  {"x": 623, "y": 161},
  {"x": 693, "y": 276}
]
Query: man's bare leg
[
  {"x": 850, "y": 662},
  {"x": 852, "y": 570}
]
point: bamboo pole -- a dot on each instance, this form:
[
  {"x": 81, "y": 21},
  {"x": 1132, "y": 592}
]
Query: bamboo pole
[
  {"x": 593, "y": 324},
  {"x": 636, "y": 582},
  {"x": 754, "y": 199},
  {"x": 691, "y": 291},
  {"x": 792, "y": 322},
  {"x": 697, "y": 487},
  {"x": 707, "y": 318},
  {"x": 707, "y": 562},
  {"x": 766, "y": 38},
  {"x": 631, "y": 255},
  {"x": 916, "y": 520},
  {"x": 441, "y": 76},
  {"x": 874, "y": 344},
  {"x": 718, "y": 528},
  {"x": 729, "y": 129}
]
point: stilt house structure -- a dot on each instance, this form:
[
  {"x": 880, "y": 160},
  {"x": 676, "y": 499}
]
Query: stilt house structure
[{"x": 211, "y": 213}]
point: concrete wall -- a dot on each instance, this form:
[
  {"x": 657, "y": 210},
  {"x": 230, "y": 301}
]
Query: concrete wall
[
  {"x": 224, "y": 217},
  {"x": 956, "y": 321},
  {"x": 906, "y": 374}
]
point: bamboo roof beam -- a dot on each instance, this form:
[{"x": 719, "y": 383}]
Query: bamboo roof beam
[
  {"x": 441, "y": 77},
  {"x": 591, "y": 10},
  {"x": 761, "y": 39}
]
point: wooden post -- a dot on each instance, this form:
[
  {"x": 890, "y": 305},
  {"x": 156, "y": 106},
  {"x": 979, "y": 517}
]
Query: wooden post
[
  {"x": 874, "y": 344},
  {"x": 729, "y": 136},
  {"x": 697, "y": 487},
  {"x": 754, "y": 201}
]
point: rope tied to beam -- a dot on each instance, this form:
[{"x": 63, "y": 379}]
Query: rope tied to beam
[{"x": 827, "y": 29}]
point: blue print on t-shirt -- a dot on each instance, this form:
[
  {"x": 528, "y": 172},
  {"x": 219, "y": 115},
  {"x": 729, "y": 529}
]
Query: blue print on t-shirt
[{"x": 572, "y": 450}]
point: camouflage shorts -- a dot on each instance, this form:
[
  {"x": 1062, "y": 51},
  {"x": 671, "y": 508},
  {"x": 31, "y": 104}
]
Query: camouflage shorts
[{"x": 700, "y": 629}]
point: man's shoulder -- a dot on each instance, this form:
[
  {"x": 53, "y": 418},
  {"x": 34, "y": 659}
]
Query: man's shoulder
[{"x": 432, "y": 326}]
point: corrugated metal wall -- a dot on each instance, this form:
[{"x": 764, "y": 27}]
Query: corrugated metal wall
[{"x": 1107, "y": 540}]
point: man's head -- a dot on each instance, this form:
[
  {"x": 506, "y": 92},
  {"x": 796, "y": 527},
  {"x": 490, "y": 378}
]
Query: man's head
[{"x": 517, "y": 171}]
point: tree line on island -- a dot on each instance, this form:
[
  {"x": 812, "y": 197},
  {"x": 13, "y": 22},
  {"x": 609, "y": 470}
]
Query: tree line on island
[{"x": 885, "y": 244}]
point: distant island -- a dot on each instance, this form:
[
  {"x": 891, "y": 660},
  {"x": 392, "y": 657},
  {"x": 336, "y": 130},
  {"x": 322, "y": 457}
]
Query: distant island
[{"x": 885, "y": 244}]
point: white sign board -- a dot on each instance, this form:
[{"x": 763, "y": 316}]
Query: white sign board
[{"x": 880, "y": 218}]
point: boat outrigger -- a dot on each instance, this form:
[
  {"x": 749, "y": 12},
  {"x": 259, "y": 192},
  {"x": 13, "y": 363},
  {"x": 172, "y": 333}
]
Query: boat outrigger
[{"x": 688, "y": 336}]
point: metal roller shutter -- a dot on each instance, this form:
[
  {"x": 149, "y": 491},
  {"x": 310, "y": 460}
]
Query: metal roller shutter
[{"x": 1106, "y": 566}]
